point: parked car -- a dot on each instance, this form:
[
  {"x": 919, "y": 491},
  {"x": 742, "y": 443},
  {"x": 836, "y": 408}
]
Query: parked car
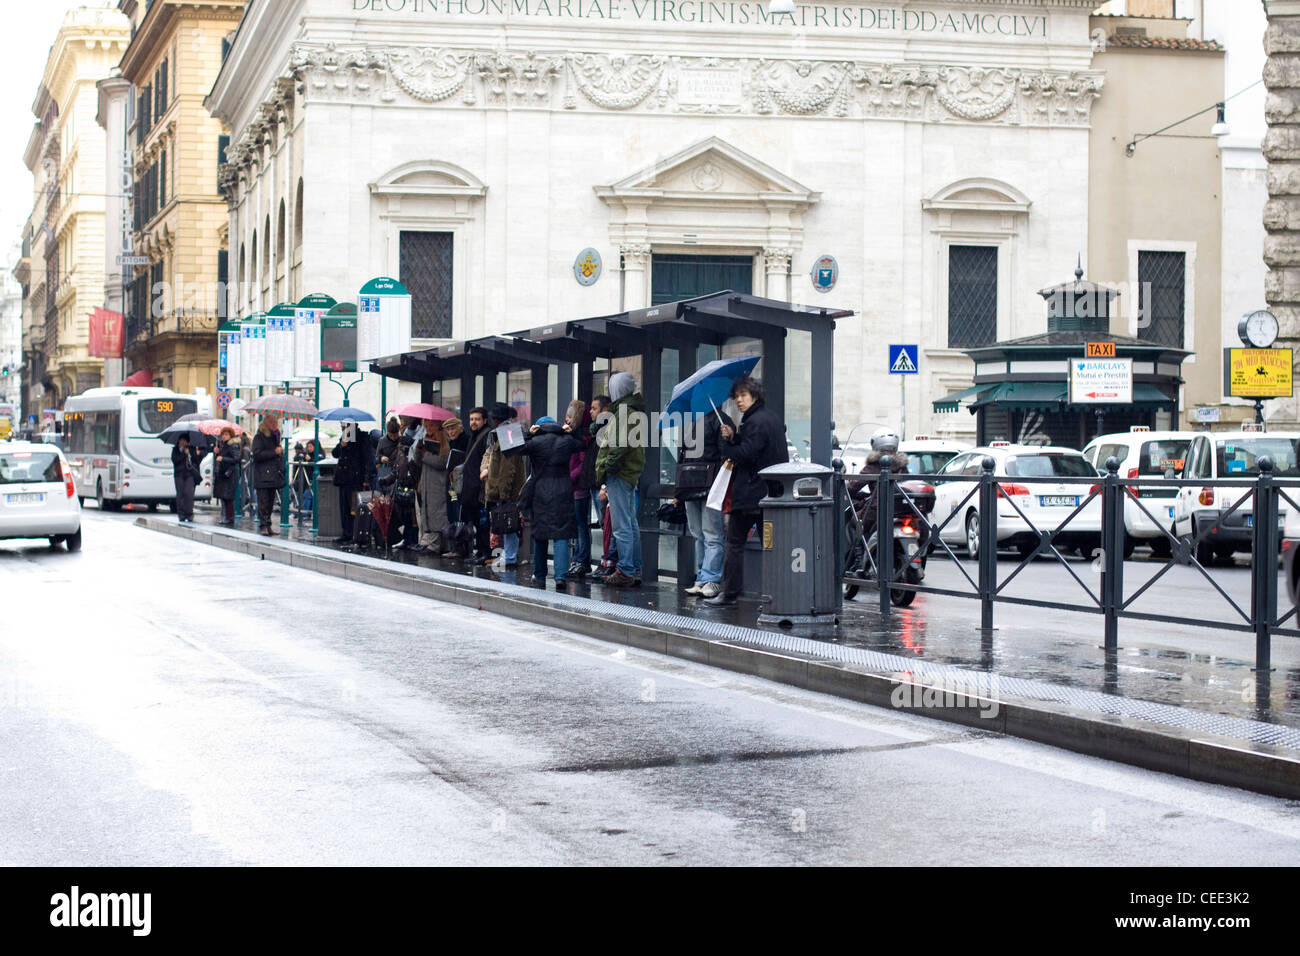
[
  {"x": 37, "y": 496},
  {"x": 1290, "y": 564},
  {"x": 927, "y": 456},
  {"x": 1145, "y": 454},
  {"x": 1045, "y": 504},
  {"x": 1229, "y": 456}
]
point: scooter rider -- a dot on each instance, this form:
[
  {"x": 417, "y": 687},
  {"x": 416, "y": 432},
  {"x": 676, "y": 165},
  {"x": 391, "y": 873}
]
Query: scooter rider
[{"x": 883, "y": 442}]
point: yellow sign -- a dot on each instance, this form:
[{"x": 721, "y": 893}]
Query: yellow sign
[
  {"x": 1101, "y": 349},
  {"x": 767, "y": 536},
  {"x": 1258, "y": 373}
]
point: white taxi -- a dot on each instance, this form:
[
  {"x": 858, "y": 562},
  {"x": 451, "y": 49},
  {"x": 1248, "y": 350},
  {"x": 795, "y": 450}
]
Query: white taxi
[
  {"x": 1230, "y": 456},
  {"x": 927, "y": 456},
  {"x": 1151, "y": 456},
  {"x": 1046, "y": 504},
  {"x": 37, "y": 496}
]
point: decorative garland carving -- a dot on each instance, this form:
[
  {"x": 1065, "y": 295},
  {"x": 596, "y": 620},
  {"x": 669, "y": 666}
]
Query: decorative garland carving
[
  {"x": 616, "y": 82},
  {"x": 976, "y": 93},
  {"x": 428, "y": 74},
  {"x": 801, "y": 87}
]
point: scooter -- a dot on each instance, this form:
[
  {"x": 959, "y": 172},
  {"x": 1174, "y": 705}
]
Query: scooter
[{"x": 913, "y": 501}]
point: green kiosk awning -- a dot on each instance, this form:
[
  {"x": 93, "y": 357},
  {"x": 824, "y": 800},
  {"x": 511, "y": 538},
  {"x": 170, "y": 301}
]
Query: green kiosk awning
[
  {"x": 1025, "y": 395},
  {"x": 951, "y": 403}
]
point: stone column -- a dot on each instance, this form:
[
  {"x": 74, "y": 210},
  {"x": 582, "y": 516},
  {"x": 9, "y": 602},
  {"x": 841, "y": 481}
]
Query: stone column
[
  {"x": 776, "y": 273},
  {"x": 1282, "y": 211},
  {"x": 636, "y": 275}
]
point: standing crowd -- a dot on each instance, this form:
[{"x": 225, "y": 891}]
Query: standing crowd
[{"x": 439, "y": 487}]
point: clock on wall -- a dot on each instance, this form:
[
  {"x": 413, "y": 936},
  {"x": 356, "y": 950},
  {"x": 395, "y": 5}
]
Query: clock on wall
[{"x": 1258, "y": 329}]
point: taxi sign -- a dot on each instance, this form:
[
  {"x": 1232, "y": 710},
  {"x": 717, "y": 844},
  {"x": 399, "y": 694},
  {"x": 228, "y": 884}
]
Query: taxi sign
[
  {"x": 1257, "y": 373},
  {"x": 1100, "y": 350}
]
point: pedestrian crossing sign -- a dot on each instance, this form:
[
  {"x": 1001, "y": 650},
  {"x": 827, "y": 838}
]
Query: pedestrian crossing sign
[{"x": 902, "y": 359}]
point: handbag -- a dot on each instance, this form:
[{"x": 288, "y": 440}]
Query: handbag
[
  {"x": 719, "y": 491},
  {"x": 506, "y": 518},
  {"x": 404, "y": 495},
  {"x": 696, "y": 477}
]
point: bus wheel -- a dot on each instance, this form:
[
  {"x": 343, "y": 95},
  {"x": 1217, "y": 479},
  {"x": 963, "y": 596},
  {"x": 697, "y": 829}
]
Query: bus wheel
[{"x": 100, "y": 501}]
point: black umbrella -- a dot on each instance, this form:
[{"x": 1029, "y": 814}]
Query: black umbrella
[{"x": 178, "y": 430}]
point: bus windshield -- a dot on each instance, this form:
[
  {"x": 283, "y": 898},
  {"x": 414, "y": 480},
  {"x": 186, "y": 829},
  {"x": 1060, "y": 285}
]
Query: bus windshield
[{"x": 157, "y": 413}]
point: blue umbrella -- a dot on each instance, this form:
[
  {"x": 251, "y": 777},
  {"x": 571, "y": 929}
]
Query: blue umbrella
[
  {"x": 344, "y": 413},
  {"x": 710, "y": 386}
]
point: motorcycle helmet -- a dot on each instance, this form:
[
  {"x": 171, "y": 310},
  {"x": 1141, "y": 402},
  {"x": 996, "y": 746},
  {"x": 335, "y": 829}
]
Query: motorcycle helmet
[{"x": 884, "y": 440}]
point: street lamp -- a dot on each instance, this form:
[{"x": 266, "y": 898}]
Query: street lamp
[{"x": 1220, "y": 127}]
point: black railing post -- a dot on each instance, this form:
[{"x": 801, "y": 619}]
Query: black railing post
[
  {"x": 1112, "y": 551},
  {"x": 988, "y": 543},
  {"x": 1263, "y": 563},
  {"x": 837, "y": 480},
  {"x": 884, "y": 533}
]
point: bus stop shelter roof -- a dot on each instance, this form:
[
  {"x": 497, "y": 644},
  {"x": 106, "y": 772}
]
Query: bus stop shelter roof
[{"x": 711, "y": 318}]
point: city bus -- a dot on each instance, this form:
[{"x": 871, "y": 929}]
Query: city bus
[{"x": 111, "y": 440}]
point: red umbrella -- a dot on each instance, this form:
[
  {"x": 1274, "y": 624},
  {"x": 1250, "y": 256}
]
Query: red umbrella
[
  {"x": 281, "y": 405},
  {"x": 215, "y": 426},
  {"x": 381, "y": 509},
  {"x": 421, "y": 410}
]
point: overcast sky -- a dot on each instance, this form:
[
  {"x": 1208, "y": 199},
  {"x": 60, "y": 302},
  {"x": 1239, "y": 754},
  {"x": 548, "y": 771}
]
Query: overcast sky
[{"x": 32, "y": 28}]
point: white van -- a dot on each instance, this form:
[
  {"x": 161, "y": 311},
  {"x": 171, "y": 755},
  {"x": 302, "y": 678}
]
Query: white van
[
  {"x": 1230, "y": 456},
  {"x": 1148, "y": 455}
]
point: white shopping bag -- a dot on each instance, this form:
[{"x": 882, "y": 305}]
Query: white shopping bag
[{"x": 718, "y": 490}]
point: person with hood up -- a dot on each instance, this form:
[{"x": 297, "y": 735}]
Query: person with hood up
[
  {"x": 619, "y": 464},
  {"x": 503, "y": 479},
  {"x": 225, "y": 474},
  {"x": 758, "y": 443},
  {"x": 269, "y": 470},
  {"x": 550, "y": 447}
]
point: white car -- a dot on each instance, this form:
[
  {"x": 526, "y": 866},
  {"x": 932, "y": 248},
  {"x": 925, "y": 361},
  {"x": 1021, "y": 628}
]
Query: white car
[
  {"x": 37, "y": 496},
  {"x": 1044, "y": 503},
  {"x": 1229, "y": 455},
  {"x": 927, "y": 456},
  {"x": 1145, "y": 454}
]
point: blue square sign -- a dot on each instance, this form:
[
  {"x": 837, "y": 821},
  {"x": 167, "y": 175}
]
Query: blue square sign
[{"x": 903, "y": 359}]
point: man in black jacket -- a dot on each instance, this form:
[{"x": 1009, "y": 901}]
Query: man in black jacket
[
  {"x": 351, "y": 475},
  {"x": 471, "y": 485},
  {"x": 759, "y": 442}
]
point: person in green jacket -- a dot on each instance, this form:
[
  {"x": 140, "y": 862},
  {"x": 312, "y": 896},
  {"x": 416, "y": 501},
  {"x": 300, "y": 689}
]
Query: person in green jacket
[{"x": 619, "y": 464}]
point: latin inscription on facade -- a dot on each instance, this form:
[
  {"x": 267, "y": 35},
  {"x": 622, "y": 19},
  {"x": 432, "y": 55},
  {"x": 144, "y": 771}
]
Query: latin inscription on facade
[
  {"x": 829, "y": 16},
  {"x": 716, "y": 87}
]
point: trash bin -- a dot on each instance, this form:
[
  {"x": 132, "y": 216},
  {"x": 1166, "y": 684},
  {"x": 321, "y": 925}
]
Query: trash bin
[
  {"x": 799, "y": 582},
  {"x": 329, "y": 523}
]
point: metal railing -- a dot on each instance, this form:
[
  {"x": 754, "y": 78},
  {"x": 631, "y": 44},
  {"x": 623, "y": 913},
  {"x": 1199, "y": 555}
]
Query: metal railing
[{"x": 1259, "y": 497}]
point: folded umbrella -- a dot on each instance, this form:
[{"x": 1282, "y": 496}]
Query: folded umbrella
[{"x": 710, "y": 386}]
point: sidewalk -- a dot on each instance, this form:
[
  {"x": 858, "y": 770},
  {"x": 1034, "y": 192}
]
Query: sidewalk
[{"x": 1195, "y": 709}]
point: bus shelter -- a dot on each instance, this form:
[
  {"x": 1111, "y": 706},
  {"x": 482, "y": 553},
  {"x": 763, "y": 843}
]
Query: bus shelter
[{"x": 540, "y": 370}]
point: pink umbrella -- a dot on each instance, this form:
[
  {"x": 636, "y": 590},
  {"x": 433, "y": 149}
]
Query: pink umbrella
[{"x": 421, "y": 410}]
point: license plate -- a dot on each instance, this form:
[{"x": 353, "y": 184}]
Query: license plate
[
  {"x": 1058, "y": 501},
  {"x": 30, "y": 499}
]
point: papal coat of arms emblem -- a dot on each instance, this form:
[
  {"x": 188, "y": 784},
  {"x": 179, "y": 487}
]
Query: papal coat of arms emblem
[
  {"x": 586, "y": 268},
  {"x": 825, "y": 272}
]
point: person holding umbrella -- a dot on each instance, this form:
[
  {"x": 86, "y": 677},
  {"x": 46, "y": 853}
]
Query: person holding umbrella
[
  {"x": 350, "y": 475},
  {"x": 433, "y": 453},
  {"x": 185, "y": 472},
  {"x": 268, "y": 470},
  {"x": 225, "y": 477}
]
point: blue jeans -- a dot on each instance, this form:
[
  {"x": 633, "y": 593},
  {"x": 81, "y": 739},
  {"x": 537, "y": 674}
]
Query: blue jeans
[
  {"x": 705, "y": 525},
  {"x": 510, "y": 547},
  {"x": 627, "y": 530},
  {"x": 561, "y": 558},
  {"x": 582, "y": 514}
]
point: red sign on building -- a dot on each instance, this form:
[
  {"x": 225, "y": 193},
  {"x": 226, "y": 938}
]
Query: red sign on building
[{"x": 106, "y": 334}]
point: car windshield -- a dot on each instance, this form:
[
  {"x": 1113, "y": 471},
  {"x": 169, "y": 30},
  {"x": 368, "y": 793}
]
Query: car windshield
[
  {"x": 1239, "y": 456},
  {"x": 1050, "y": 465},
  {"x": 25, "y": 466},
  {"x": 928, "y": 462},
  {"x": 1159, "y": 457}
]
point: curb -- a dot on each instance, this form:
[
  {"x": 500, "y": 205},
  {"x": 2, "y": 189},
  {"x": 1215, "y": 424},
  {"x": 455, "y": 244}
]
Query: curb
[{"x": 1262, "y": 768}]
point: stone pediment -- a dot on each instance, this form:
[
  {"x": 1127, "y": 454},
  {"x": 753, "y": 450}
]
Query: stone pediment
[{"x": 710, "y": 170}]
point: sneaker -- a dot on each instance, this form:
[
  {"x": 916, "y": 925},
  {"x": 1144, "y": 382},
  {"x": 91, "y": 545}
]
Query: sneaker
[
  {"x": 711, "y": 590},
  {"x": 721, "y": 600},
  {"x": 695, "y": 589},
  {"x": 620, "y": 580}
]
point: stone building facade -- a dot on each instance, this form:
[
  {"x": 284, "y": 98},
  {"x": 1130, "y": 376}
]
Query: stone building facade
[{"x": 1282, "y": 151}]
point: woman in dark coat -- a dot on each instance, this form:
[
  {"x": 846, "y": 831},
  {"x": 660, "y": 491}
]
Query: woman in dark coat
[
  {"x": 225, "y": 474},
  {"x": 268, "y": 470},
  {"x": 185, "y": 472},
  {"x": 550, "y": 447}
]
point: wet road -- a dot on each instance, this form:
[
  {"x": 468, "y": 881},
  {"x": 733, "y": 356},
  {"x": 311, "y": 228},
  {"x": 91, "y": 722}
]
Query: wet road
[{"x": 171, "y": 703}]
